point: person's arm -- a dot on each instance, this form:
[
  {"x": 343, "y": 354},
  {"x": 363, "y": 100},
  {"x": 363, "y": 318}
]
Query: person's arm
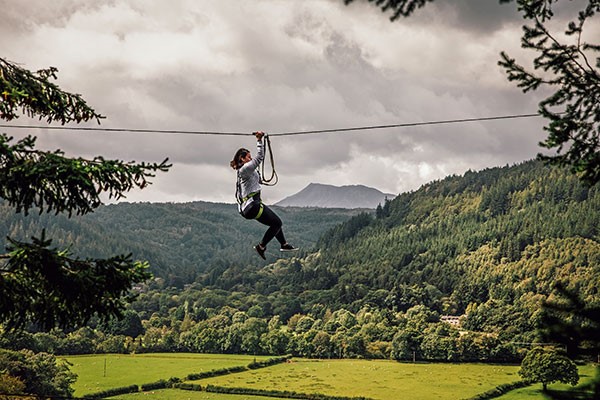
[
  {"x": 258, "y": 158},
  {"x": 260, "y": 148}
]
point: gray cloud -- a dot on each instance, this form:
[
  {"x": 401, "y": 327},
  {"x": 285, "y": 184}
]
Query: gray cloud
[{"x": 282, "y": 66}]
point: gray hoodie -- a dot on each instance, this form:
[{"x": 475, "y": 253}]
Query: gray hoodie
[{"x": 249, "y": 178}]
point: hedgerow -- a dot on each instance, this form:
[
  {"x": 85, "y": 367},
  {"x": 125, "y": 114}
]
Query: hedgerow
[
  {"x": 500, "y": 390},
  {"x": 277, "y": 393},
  {"x": 113, "y": 392}
]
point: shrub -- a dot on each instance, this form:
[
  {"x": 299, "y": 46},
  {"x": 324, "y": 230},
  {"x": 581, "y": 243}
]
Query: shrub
[
  {"x": 500, "y": 390},
  {"x": 161, "y": 384},
  {"x": 114, "y": 392},
  {"x": 188, "y": 386}
]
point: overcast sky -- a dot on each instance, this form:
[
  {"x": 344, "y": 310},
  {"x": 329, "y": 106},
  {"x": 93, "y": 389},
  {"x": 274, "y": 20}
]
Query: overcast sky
[{"x": 278, "y": 66}]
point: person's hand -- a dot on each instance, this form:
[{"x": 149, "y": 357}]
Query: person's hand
[{"x": 259, "y": 135}]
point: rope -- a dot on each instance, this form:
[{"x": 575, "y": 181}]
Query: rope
[
  {"x": 273, "y": 179},
  {"x": 360, "y": 128}
]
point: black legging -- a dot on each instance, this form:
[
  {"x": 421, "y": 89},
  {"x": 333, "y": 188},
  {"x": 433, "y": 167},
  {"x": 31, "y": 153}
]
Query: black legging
[{"x": 269, "y": 218}]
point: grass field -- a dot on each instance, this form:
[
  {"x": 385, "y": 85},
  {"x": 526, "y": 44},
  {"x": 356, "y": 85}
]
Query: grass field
[
  {"x": 125, "y": 370},
  {"x": 375, "y": 379}
]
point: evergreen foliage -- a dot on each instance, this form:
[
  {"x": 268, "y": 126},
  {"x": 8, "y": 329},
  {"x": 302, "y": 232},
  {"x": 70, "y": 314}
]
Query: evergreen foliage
[
  {"x": 40, "y": 284},
  {"x": 181, "y": 241},
  {"x": 573, "y": 109}
]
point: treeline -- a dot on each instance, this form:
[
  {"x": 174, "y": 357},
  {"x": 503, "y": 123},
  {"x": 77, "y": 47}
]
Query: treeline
[{"x": 417, "y": 334}]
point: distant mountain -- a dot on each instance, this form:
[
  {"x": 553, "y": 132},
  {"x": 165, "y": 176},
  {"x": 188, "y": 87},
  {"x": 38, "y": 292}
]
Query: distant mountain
[{"x": 329, "y": 196}]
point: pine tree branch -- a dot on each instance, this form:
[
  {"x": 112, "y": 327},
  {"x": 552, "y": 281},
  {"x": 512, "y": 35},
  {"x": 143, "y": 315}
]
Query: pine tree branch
[
  {"x": 49, "y": 287},
  {"x": 569, "y": 54},
  {"x": 52, "y": 182},
  {"x": 36, "y": 96}
]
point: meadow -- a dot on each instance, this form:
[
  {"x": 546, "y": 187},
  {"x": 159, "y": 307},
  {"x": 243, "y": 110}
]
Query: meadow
[
  {"x": 376, "y": 379},
  {"x": 129, "y": 369}
]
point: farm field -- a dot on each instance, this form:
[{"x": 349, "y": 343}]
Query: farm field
[
  {"x": 126, "y": 369},
  {"x": 377, "y": 379}
]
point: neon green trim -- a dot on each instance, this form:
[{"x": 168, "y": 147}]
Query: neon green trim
[
  {"x": 260, "y": 211},
  {"x": 249, "y": 196}
]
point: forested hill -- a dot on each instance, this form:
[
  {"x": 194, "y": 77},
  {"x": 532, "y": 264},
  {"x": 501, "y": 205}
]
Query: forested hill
[
  {"x": 497, "y": 234},
  {"x": 180, "y": 240},
  {"x": 498, "y": 238},
  {"x": 488, "y": 246}
]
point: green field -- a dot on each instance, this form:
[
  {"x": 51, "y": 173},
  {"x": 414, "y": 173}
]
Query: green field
[
  {"x": 375, "y": 379},
  {"x": 125, "y": 369}
]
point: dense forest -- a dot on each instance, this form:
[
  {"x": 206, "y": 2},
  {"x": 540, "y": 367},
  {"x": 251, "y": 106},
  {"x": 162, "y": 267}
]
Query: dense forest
[
  {"x": 180, "y": 240},
  {"x": 488, "y": 247}
]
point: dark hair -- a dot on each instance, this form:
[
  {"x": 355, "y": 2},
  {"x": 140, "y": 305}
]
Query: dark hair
[{"x": 236, "y": 163}]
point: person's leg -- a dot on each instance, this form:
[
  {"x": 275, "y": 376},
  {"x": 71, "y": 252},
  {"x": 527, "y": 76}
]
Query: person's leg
[{"x": 269, "y": 218}]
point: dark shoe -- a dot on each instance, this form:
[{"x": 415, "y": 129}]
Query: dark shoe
[
  {"x": 288, "y": 247},
  {"x": 261, "y": 251}
]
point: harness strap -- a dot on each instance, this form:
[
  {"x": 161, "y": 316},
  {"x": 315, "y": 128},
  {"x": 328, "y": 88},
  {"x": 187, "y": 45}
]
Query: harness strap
[
  {"x": 260, "y": 211},
  {"x": 249, "y": 196}
]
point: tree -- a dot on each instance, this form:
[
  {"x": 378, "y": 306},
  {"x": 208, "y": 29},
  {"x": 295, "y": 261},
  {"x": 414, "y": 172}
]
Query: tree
[
  {"x": 573, "y": 110},
  {"x": 548, "y": 366},
  {"x": 38, "y": 374},
  {"x": 129, "y": 324},
  {"x": 38, "y": 283},
  {"x": 571, "y": 321}
]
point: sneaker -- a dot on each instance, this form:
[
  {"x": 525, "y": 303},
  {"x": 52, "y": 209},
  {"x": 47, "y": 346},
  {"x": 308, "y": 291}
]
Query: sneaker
[
  {"x": 288, "y": 247},
  {"x": 261, "y": 251}
]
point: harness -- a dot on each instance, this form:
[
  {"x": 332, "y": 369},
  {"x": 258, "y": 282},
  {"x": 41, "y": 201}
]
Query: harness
[{"x": 245, "y": 204}]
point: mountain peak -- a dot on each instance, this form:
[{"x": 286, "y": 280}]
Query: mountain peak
[{"x": 330, "y": 196}]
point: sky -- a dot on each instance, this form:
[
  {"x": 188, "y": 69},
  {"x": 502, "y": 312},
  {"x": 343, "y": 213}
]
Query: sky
[{"x": 281, "y": 66}]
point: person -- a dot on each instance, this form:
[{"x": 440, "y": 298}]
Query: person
[{"x": 248, "y": 189}]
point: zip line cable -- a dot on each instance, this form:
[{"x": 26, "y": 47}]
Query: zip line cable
[
  {"x": 273, "y": 179},
  {"x": 408, "y": 124},
  {"x": 292, "y": 133},
  {"x": 90, "y": 129}
]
